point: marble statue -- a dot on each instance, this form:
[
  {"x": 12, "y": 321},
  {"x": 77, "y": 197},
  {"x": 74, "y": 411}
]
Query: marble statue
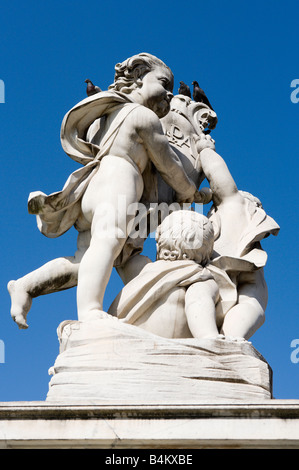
[
  {"x": 184, "y": 319},
  {"x": 138, "y": 143},
  {"x": 115, "y": 157},
  {"x": 58, "y": 212}
]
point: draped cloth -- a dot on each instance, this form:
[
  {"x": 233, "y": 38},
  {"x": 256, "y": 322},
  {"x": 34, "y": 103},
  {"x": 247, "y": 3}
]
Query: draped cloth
[
  {"x": 157, "y": 279},
  {"x": 58, "y": 212},
  {"x": 249, "y": 255}
]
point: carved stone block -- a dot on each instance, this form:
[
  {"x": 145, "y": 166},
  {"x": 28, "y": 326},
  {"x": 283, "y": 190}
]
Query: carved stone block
[{"x": 110, "y": 362}]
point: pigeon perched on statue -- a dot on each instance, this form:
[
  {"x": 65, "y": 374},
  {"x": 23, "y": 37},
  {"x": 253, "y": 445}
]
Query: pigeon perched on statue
[
  {"x": 91, "y": 89},
  {"x": 199, "y": 95},
  {"x": 184, "y": 90}
]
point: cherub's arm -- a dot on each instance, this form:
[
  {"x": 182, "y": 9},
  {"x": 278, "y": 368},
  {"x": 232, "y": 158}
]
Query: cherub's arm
[
  {"x": 216, "y": 171},
  {"x": 163, "y": 157},
  {"x": 200, "y": 307}
]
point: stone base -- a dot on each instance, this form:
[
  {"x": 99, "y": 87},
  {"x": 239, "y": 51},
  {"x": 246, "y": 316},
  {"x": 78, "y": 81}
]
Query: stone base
[
  {"x": 110, "y": 362},
  {"x": 272, "y": 424}
]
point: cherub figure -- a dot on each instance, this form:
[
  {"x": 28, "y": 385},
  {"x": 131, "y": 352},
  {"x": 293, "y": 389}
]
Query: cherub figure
[
  {"x": 178, "y": 295},
  {"x": 117, "y": 135},
  {"x": 240, "y": 223}
]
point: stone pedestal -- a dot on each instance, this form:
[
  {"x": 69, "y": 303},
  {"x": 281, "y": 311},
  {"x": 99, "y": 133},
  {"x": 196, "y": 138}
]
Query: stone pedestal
[
  {"x": 271, "y": 424},
  {"x": 115, "y": 386},
  {"x": 109, "y": 362}
]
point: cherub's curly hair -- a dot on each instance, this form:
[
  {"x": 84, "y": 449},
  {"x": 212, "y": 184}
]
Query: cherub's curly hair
[
  {"x": 185, "y": 235},
  {"x": 128, "y": 74}
]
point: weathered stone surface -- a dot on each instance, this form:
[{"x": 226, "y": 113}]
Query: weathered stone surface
[
  {"x": 224, "y": 425},
  {"x": 110, "y": 362}
]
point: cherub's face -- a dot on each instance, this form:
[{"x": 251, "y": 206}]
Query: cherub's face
[{"x": 156, "y": 90}]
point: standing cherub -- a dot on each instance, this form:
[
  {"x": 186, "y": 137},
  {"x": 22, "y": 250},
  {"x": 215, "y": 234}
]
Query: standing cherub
[
  {"x": 115, "y": 134},
  {"x": 240, "y": 224}
]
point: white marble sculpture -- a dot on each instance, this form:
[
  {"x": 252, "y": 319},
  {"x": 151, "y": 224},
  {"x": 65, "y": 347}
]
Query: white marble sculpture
[
  {"x": 153, "y": 168},
  {"x": 141, "y": 149},
  {"x": 180, "y": 291}
]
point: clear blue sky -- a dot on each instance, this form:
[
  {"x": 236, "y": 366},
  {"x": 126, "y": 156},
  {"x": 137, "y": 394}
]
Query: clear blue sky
[{"x": 244, "y": 54}]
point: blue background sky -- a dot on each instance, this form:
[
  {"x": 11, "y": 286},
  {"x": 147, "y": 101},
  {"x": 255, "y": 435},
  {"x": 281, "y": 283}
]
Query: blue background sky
[{"x": 244, "y": 54}]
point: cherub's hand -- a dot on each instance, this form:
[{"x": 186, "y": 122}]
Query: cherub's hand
[
  {"x": 205, "y": 142},
  {"x": 183, "y": 198},
  {"x": 204, "y": 196}
]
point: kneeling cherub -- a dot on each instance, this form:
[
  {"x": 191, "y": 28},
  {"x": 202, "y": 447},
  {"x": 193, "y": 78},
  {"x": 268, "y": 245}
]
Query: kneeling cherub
[{"x": 178, "y": 295}]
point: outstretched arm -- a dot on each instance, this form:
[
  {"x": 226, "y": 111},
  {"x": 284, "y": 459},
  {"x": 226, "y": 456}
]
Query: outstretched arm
[
  {"x": 216, "y": 171},
  {"x": 164, "y": 158}
]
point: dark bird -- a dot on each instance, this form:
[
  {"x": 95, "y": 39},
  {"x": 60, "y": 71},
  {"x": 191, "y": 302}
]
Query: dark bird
[
  {"x": 184, "y": 90},
  {"x": 91, "y": 89},
  {"x": 199, "y": 95}
]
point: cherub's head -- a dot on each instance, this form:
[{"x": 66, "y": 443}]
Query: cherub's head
[
  {"x": 148, "y": 81},
  {"x": 185, "y": 235}
]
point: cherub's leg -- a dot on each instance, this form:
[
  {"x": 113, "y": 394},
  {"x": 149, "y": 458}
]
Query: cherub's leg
[
  {"x": 56, "y": 275},
  {"x": 200, "y": 301},
  {"x": 111, "y": 193},
  {"x": 243, "y": 320},
  {"x": 108, "y": 239},
  {"x": 94, "y": 273}
]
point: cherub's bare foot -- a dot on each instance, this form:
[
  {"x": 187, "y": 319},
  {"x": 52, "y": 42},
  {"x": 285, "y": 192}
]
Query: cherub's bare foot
[
  {"x": 236, "y": 339},
  {"x": 97, "y": 315},
  {"x": 20, "y": 302},
  {"x": 213, "y": 336}
]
